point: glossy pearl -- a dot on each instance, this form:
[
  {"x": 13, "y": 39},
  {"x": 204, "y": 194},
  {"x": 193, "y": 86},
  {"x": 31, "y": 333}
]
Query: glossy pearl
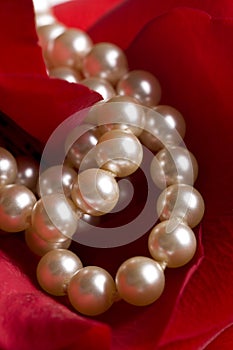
[
  {"x": 173, "y": 165},
  {"x": 69, "y": 48},
  {"x": 54, "y": 218},
  {"x": 140, "y": 280},
  {"x": 39, "y": 246},
  {"x": 55, "y": 270},
  {"x": 28, "y": 171},
  {"x": 79, "y": 143},
  {"x": 105, "y": 61},
  {"x": 16, "y": 203},
  {"x": 172, "y": 242},
  {"x": 119, "y": 152},
  {"x": 121, "y": 112},
  {"x": 49, "y": 32},
  {"x": 141, "y": 85},
  {"x": 182, "y": 201},
  {"x": 158, "y": 132},
  {"x": 8, "y": 167},
  {"x": 173, "y": 117},
  {"x": 95, "y": 192},
  {"x": 102, "y": 86},
  {"x": 65, "y": 73},
  {"x": 56, "y": 179},
  {"x": 91, "y": 291}
]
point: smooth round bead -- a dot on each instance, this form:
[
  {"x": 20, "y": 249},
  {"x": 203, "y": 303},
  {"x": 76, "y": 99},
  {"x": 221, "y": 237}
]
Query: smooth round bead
[
  {"x": 16, "y": 203},
  {"x": 56, "y": 179},
  {"x": 54, "y": 218},
  {"x": 119, "y": 152},
  {"x": 8, "y": 167},
  {"x": 173, "y": 117},
  {"x": 173, "y": 165},
  {"x": 79, "y": 143},
  {"x": 65, "y": 73},
  {"x": 49, "y": 32},
  {"x": 102, "y": 86},
  {"x": 28, "y": 171},
  {"x": 69, "y": 48},
  {"x": 91, "y": 291},
  {"x": 182, "y": 201},
  {"x": 141, "y": 85},
  {"x": 140, "y": 280},
  {"x": 39, "y": 246},
  {"x": 121, "y": 112},
  {"x": 105, "y": 61},
  {"x": 55, "y": 270},
  {"x": 95, "y": 192},
  {"x": 158, "y": 132},
  {"x": 172, "y": 242}
]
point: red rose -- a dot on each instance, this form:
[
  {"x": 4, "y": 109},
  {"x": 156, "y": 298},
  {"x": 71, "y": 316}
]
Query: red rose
[{"x": 187, "y": 44}]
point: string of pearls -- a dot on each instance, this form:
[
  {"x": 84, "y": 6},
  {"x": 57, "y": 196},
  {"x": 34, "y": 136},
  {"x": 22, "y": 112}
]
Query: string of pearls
[{"x": 116, "y": 128}]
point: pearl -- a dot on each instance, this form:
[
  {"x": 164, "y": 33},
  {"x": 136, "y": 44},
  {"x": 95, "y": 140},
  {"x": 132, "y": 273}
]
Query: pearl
[
  {"x": 55, "y": 270},
  {"x": 79, "y": 142},
  {"x": 8, "y": 167},
  {"x": 158, "y": 132},
  {"x": 16, "y": 203},
  {"x": 28, "y": 171},
  {"x": 49, "y": 32},
  {"x": 141, "y": 85},
  {"x": 91, "y": 291},
  {"x": 65, "y": 73},
  {"x": 54, "y": 218},
  {"x": 182, "y": 201},
  {"x": 173, "y": 165},
  {"x": 69, "y": 48},
  {"x": 173, "y": 117},
  {"x": 95, "y": 192},
  {"x": 105, "y": 61},
  {"x": 119, "y": 152},
  {"x": 121, "y": 112},
  {"x": 56, "y": 179},
  {"x": 102, "y": 86},
  {"x": 140, "y": 280},
  {"x": 172, "y": 242},
  {"x": 39, "y": 246}
]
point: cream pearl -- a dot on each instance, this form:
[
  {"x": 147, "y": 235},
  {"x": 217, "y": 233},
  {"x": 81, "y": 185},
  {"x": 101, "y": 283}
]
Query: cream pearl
[
  {"x": 141, "y": 85},
  {"x": 16, "y": 203},
  {"x": 159, "y": 132},
  {"x": 121, "y": 112},
  {"x": 120, "y": 152},
  {"x": 28, "y": 171},
  {"x": 79, "y": 142},
  {"x": 105, "y": 61},
  {"x": 102, "y": 86},
  {"x": 65, "y": 73},
  {"x": 140, "y": 280},
  {"x": 54, "y": 218},
  {"x": 95, "y": 192},
  {"x": 49, "y": 32},
  {"x": 39, "y": 246},
  {"x": 69, "y": 48},
  {"x": 173, "y": 165},
  {"x": 55, "y": 270},
  {"x": 172, "y": 242},
  {"x": 8, "y": 167},
  {"x": 182, "y": 201},
  {"x": 91, "y": 291},
  {"x": 173, "y": 117},
  {"x": 56, "y": 179}
]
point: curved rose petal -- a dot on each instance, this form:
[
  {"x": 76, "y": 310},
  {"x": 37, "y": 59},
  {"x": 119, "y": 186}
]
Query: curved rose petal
[{"x": 123, "y": 23}]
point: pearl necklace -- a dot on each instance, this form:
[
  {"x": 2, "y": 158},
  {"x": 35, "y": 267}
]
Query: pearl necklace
[{"x": 114, "y": 131}]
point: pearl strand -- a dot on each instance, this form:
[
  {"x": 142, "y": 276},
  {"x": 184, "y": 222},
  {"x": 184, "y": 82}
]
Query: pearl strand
[{"x": 139, "y": 280}]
